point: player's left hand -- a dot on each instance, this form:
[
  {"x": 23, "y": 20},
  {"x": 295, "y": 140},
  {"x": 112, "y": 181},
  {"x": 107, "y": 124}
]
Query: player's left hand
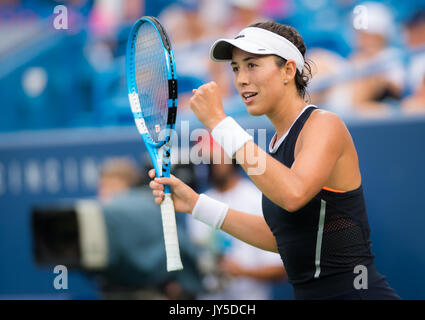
[
  {"x": 184, "y": 197},
  {"x": 207, "y": 106}
]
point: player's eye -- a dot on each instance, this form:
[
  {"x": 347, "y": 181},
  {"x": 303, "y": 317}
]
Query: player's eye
[
  {"x": 234, "y": 68},
  {"x": 251, "y": 65}
]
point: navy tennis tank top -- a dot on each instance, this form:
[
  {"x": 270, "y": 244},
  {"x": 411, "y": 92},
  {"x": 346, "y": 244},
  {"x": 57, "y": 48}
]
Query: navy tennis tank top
[{"x": 321, "y": 243}]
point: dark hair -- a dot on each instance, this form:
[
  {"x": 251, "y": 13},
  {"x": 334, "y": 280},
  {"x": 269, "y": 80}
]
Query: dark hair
[{"x": 291, "y": 34}]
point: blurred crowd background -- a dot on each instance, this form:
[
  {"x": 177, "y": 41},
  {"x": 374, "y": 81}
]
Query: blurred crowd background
[
  {"x": 368, "y": 57},
  {"x": 67, "y": 132}
]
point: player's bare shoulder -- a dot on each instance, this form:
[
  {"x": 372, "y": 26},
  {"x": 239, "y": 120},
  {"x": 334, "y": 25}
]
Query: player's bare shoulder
[
  {"x": 325, "y": 126},
  {"x": 325, "y": 123}
]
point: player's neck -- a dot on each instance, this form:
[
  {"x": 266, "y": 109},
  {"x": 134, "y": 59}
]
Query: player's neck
[{"x": 285, "y": 114}]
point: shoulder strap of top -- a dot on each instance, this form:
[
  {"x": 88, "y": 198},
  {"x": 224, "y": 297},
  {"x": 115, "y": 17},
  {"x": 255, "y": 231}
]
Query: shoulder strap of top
[{"x": 291, "y": 139}]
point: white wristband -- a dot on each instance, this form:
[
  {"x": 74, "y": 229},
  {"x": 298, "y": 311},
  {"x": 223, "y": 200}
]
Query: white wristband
[
  {"x": 230, "y": 136},
  {"x": 210, "y": 211}
]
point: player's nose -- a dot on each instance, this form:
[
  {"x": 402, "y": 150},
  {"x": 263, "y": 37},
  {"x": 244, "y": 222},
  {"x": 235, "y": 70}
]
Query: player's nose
[{"x": 241, "y": 79}]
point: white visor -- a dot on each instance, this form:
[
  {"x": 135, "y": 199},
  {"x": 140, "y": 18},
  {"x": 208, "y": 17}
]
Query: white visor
[{"x": 257, "y": 41}]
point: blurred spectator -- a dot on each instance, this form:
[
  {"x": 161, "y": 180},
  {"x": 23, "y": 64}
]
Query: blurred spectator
[
  {"x": 244, "y": 13},
  {"x": 183, "y": 22},
  {"x": 325, "y": 66},
  {"x": 189, "y": 37},
  {"x": 117, "y": 176},
  {"x": 415, "y": 41},
  {"x": 277, "y": 9},
  {"x": 373, "y": 48},
  {"x": 109, "y": 24},
  {"x": 137, "y": 263},
  {"x": 373, "y": 73},
  {"x": 108, "y": 16},
  {"x": 244, "y": 272}
]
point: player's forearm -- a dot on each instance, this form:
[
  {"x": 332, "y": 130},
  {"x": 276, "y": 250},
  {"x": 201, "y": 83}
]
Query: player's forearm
[
  {"x": 277, "y": 182},
  {"x": 249, "y": 228}
]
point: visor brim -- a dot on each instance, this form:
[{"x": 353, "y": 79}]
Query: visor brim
[{"x": 222, "y": 49}]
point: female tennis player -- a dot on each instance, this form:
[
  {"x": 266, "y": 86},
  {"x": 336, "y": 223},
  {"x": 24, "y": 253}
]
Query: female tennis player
[{"x": 313, "y": 204}]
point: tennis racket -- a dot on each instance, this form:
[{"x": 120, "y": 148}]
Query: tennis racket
[{"x": 152, "y": 91}]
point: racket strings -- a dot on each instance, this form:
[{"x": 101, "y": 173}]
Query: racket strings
[{"x": 152, "y": 80}]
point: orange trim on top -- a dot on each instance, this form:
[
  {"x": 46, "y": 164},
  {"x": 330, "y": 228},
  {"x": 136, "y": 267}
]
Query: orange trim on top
[{"x": 333, "y": 190}]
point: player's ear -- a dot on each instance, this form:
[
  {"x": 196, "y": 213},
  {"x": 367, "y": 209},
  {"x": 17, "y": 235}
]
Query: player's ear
[{"x": 290, "y": 69}]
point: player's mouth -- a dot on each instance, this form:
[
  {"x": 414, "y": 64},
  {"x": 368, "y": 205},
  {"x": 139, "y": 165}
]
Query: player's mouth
[{"x": 248, "y": 97}]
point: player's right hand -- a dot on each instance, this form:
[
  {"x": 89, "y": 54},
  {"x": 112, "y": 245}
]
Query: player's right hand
[
  {"x": 184, "y": 197},
  {"x": 207, "y": 106}
]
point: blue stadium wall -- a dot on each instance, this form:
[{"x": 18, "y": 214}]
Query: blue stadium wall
[{"x": 44, "y": 166}]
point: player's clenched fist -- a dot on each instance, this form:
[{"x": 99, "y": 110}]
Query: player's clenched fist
[{"x": 207, "y": 106}]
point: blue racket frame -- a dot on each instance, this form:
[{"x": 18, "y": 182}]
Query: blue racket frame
[{"x": 152, "y": 147}]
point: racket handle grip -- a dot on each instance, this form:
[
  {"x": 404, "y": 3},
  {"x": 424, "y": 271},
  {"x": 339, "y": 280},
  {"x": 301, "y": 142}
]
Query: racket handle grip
[
  {"x": 169, "y": 227},
  {"x": 167, "y": 190}
]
